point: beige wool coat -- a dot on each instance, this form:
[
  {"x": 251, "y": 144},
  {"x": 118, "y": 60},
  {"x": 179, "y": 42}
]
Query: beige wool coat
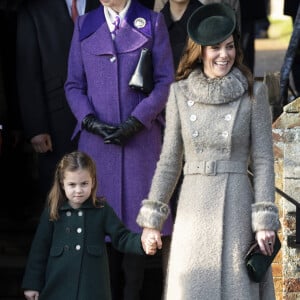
[{"x": 213, "y": 131}]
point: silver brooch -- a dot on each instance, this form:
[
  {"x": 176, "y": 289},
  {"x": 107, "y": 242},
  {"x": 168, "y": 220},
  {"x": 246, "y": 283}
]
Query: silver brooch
[{"x": 139, "y": 22}]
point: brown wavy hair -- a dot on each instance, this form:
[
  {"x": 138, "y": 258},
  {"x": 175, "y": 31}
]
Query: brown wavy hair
[{"x": 193, "y": 52}]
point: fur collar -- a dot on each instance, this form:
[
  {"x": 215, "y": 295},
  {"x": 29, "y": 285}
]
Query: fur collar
[{"x": 198, "y": 88}]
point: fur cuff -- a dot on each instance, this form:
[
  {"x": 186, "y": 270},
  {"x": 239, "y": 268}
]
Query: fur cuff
[
  {"x": 265, "y": 216},
  {"x": 152, "y": 214}
]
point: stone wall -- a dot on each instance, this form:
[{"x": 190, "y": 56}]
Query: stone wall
[{"x": 286, "y": 136}]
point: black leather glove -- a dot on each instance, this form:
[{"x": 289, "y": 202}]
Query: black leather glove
[
  {"x": 93, "y": 125},
  {"x": 125, "y": 131}
]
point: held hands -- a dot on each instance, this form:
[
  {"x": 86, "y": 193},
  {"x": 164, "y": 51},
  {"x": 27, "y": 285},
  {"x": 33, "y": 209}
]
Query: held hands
[
  {"x": 124, "y": 131},
  {"x": 265, "y": 240},
  {"x": 150, "y": 246},
  {"x": 31, "y": 295},
  {"x": 151, "y": 240}
]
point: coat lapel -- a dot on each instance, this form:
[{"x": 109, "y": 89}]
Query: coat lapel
[
  {"x": 137, "y": 12},
  {"x": 62, "y": 13},
  {"x": 100, "y": 42},
  {"x": 96, "y": 38},
  {"x": 129, "y": 39}
]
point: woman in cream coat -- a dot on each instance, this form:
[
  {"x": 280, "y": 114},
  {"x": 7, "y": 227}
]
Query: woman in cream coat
[{"x": 218, "y": 123}]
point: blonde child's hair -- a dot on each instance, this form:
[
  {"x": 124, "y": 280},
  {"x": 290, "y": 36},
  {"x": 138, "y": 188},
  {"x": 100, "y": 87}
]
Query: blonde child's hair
[{"x": 70, "y": 162}]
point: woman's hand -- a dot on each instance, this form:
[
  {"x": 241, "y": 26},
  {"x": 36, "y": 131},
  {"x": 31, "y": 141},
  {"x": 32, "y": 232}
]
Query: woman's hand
[
  {"x": 150, "y": 247},
  {"x": 31, "y": 295},
  {"x": 265, "y": 240},
  {"x": 151, "y": 240},
  {"x": 42, "y": 143}
]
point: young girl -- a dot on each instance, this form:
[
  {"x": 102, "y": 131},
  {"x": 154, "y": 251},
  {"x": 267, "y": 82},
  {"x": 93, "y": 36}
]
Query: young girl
[{"x": 68, "y": 258}]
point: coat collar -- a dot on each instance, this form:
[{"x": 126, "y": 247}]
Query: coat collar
[
  {"x": 95, "y": 20},
  {"x": 197, "y": 87},
  {"x": 87, "y": 204}
]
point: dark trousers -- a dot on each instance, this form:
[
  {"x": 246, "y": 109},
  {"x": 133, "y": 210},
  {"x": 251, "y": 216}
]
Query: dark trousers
[
  {"x": 126, "y": 274},
  {"x": 136, "y": 277},
  {"x": 248, "y": 45},
  {"x": 296, "y": 67}
]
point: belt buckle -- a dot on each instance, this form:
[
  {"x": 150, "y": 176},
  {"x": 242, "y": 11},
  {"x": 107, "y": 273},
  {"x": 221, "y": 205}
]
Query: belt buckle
[{"x": 210, "y": 168}]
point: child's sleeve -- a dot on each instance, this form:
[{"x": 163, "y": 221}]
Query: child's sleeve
[{"x": 122, "y": 238}]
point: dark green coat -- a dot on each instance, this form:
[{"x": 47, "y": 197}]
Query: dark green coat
[{"x": 68, "y": 258}]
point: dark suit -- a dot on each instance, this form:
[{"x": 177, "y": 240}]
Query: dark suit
[
  {"x": 3, "y": 105},
  {"x": 177, "y": 29},
  {"x": 251, "y": 11},
  {"x": 147, "y": 3},
  {"x": 44, "y": 34},
  {"x": 9, "y": 111},
  {"x": 15, "y": 157},
  {"x": 290, "y": 8}
]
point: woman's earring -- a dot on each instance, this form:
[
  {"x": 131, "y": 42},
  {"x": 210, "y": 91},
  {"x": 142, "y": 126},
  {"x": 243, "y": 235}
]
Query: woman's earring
[{"x": 199, "y": 60}]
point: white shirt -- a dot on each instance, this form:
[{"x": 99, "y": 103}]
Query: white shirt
[
  {"x": 110, "y": 15},
  {"x": 80, "y": 6}
]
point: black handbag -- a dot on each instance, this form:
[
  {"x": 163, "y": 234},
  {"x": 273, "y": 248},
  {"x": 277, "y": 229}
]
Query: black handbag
[
  {"x": 257, "y": 263},
  {"x": 142, "y": 78}
]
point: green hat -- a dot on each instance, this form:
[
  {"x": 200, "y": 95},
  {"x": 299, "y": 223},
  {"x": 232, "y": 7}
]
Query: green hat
[{"x": 211, "y": 24}]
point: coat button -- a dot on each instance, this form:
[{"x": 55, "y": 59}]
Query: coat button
[
  {"x": 112, "y": 59},
  {"x": 190, "y": 103},
  {"x": 228, "y": 117},
  {"x": 80, "y": 213},
  {"x": 66, "y": 247},
  {"x": 79, "y": 230},
  {"x": 193, "y": 118},
  {"x": 195, "y": 133},
  {"x": 68, "y": 213},
  {"x": 77, "y": 247},
  {"x": 225, "y": 134}
]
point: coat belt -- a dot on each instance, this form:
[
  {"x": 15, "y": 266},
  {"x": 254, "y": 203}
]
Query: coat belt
[{"x": 213, "y": 167}]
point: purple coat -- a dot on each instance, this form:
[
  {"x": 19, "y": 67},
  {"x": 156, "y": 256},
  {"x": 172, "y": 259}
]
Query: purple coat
[{"x": 98, "y": 74}]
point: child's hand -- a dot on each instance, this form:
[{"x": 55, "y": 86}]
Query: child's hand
[
  {"x": 150, "y": 245},
  {"x": 151, "y": 240},
  {"x": 31, "y": 295}
]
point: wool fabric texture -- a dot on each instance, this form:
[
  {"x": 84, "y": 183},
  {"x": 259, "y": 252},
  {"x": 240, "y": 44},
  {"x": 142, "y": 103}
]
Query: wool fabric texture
[{"x": 214, "y": 119}]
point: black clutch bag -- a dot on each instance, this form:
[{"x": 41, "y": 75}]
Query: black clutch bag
[
  {"x": 257, "y": 263},
  {"x": 142, "y": 78}
]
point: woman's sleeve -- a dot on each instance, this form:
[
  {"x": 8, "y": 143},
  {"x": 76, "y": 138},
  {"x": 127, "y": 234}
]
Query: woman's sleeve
[
  {"x": 264, "y": 210},
  {"x": 155, "y": 209},
  {"x": 76, "y": 83}
]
